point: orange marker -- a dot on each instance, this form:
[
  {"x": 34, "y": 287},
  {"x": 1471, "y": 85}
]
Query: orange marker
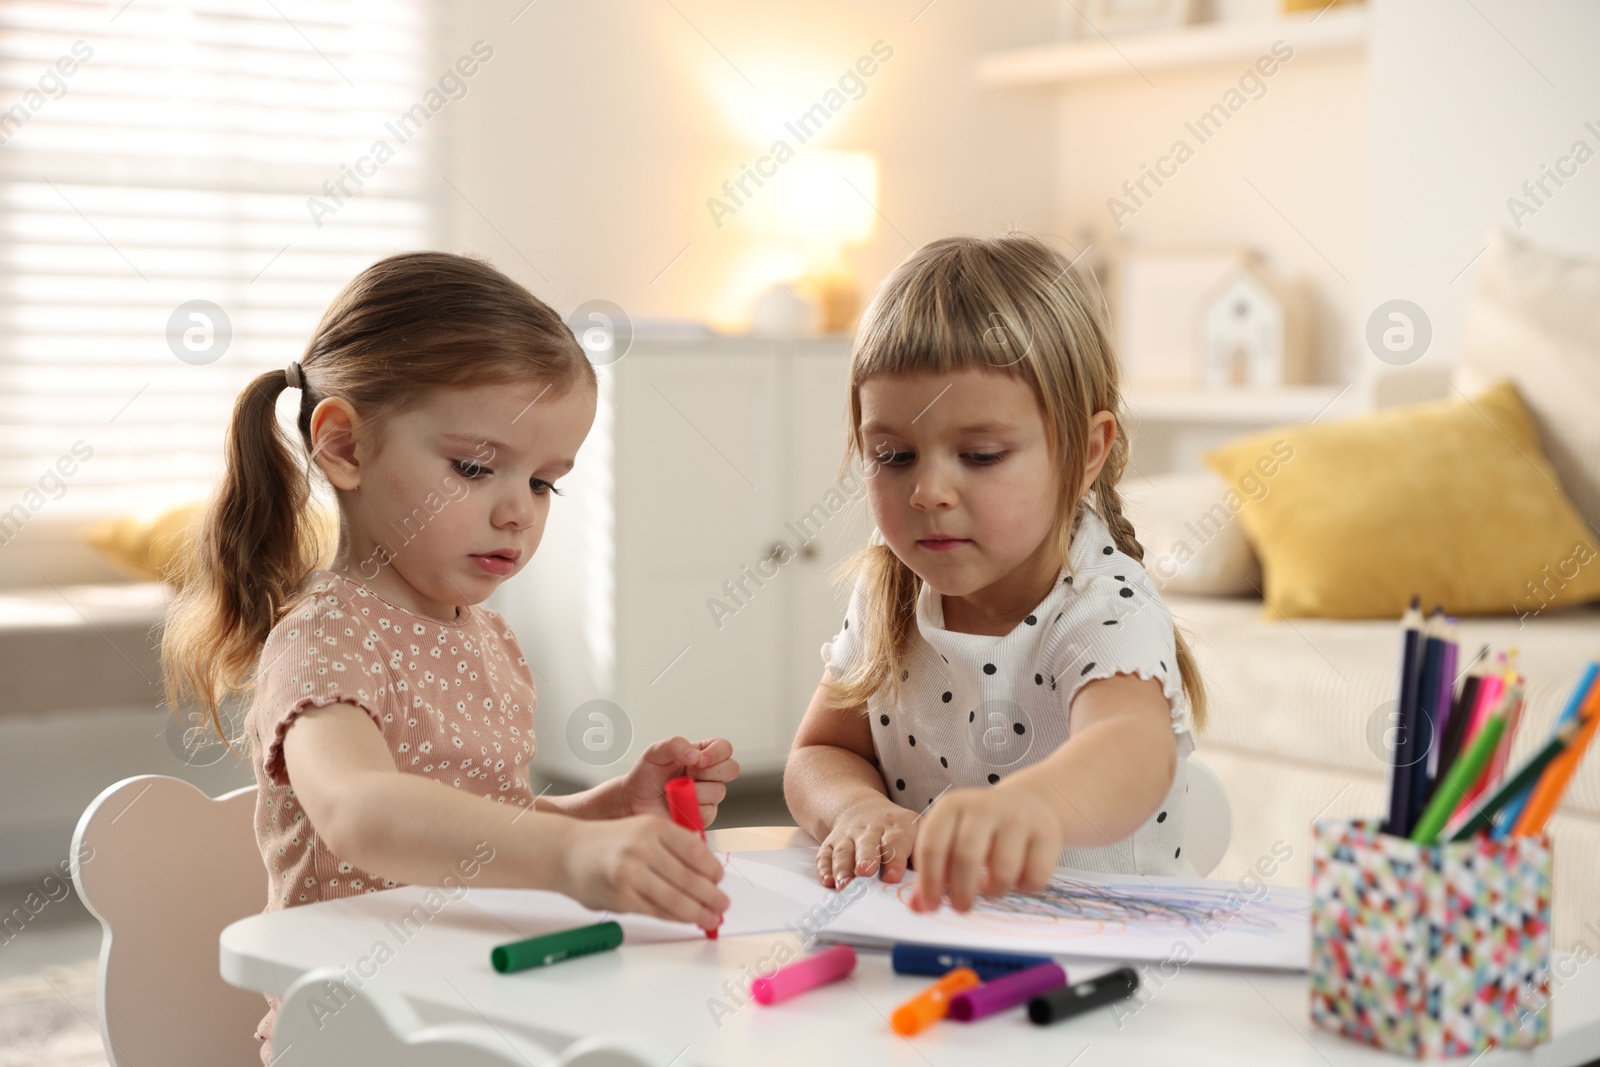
[
  {"x": 1547, "y": 792},
  {"x": 930, "y": 1005}
]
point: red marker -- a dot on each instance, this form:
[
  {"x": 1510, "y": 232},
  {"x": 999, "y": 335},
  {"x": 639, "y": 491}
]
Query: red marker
[{"x": 685, "y": 808}]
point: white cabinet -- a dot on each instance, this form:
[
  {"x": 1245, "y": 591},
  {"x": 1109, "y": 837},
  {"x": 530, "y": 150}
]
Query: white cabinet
[{"x": 683, "y": 583}]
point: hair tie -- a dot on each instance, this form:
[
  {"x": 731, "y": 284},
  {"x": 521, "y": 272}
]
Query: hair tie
[{"x": 294, "y": 377}]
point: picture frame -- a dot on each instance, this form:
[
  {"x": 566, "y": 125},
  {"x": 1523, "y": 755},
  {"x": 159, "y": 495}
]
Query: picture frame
[{"x": 1157, "y": 295}]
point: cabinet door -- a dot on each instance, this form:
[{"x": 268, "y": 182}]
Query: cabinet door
[
  {"x": 835, "y": 517},
  {"x": 701, "y": 473}
]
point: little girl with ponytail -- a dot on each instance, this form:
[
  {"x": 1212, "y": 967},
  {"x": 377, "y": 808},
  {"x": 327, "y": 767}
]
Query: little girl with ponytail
[{"x": 391, "y": 722}]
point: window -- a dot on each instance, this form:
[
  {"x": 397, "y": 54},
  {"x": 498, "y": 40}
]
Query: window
[{"x": 156, "y": 153}]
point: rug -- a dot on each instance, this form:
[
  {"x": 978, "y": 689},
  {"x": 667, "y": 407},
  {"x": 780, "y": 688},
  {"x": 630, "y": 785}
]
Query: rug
[{"x": 49, "y": 1019}]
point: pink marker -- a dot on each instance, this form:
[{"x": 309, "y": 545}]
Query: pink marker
[{"x": 829, "y": 965}]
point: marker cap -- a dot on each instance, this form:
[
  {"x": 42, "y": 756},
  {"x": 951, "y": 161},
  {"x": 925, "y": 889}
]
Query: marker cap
[{"x": 933, "y": 1003}]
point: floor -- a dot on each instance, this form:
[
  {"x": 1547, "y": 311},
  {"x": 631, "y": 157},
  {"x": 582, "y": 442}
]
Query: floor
[
  {"x": 48, "y": 1016},
  {"x": 47, "y": 980}
]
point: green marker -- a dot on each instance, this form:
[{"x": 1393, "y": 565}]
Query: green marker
[
  {"x": 1463, "y": 773},
  {"x": 553, "y": 948}
]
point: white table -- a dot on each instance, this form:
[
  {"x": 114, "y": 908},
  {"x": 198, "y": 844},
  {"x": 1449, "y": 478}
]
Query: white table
[{"x": 663, "y": 992}]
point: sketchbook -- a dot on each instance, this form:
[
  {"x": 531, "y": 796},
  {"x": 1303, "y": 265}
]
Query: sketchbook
[{"x": 1081, "y": 914}]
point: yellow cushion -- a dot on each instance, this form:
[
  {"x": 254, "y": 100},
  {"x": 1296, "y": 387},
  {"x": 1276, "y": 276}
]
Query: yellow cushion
[
  {"x": 149, "y": 546},
  {"x": 1451, "y": 500}
]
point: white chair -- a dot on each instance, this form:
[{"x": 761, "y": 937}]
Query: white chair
[
  {"x": 164, "y": 868},
  {"x": 1210, "y": 819},
  {"x": 324, "y": 1024}
]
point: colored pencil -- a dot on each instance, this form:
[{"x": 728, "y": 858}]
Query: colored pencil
[
  {"x": 1444, "y": 699},
  {"x": 1512, "y": 712},
  {"x": 1400, "y": 783},
  {"x": 1502, "y": 755},
  {"x": 1458, "y": 779},
  {"x": 1483, "y": 818},
  {"x": 1455, "y": 734},
  {"x": 1420, "y": 736},
  {"x": 1580, "y": 693},
  {"x": 1489, "y": 694},
  {"x": 1507, "y": 819},
  {"x": 1494, "y": 683},
  {"x": 1554, "y": 781}
]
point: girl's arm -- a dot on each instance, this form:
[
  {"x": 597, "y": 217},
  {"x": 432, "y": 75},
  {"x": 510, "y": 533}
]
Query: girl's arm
[
  {"x": 1096, "y": 789},
  {"x": 419, "y": 831},
  {"x": 642, "y": 791},
  {"x": 836, "y": 795},
  {"x": 1117, "y": 766},
  {"x": 603, "y": 801}
]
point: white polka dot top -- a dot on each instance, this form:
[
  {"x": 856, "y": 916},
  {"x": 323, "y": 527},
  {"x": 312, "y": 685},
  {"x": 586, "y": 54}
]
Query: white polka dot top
[{"x": 974, "y": 708}]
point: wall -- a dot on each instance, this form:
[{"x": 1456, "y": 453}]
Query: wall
[
  {"x": 589, "y": 145},
  {"x": 1284, "y": 175},
  {"x": 1470, "y": 101}
]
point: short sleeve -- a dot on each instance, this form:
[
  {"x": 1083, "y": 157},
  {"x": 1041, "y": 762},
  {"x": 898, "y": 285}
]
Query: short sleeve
[
  {"x": 519, "y": 659},
  {"x": 496, "y": 624},
  {"x": 308, "y": 661},
  {"x": 839, "y": 654},
  {"x": 1118, "y": 624}
]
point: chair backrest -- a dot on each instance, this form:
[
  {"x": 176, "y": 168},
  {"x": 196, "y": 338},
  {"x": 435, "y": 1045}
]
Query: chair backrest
[
  {"x": 164, "y": 867},
  {"x": 1210, "y": 818},
  {"x": 325, "y": 1021}
]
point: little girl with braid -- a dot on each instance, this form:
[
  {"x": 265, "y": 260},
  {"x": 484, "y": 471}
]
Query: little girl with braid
[
  {"x": 391, "y": 725},
  {"x": 1007, "y": 691}
]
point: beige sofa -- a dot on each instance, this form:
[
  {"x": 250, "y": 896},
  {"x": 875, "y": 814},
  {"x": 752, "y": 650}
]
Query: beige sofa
[
  {"x": 1297, "y": 705},
  {"x": 1290, "y": 732}
]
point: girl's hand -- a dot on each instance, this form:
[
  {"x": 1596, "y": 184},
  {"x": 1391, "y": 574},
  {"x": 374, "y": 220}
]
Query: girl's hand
[
  {"x": 709, "y": 763},
  {"x": 875, "y": 831},
  {"x": 646, "y": 865},
  {"x": 991, "y": 841}
]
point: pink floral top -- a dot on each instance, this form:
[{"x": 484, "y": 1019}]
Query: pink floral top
[{"x": 453, "y": 701}]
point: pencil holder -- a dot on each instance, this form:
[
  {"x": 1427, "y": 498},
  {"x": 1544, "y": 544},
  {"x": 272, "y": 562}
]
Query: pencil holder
[{"x": 1430, "y": 950}]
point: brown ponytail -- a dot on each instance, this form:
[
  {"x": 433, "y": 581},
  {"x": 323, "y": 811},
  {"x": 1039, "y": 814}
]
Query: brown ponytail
[
  {"x": 257, "y": 543},
  {"x": 407, "y": 325}
]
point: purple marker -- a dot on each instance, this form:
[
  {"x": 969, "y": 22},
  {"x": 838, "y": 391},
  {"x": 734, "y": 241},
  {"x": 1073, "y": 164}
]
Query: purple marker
[{"x": 1007, "y": 992}]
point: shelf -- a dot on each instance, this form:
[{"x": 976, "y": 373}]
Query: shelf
[
  {"x": 1190, "y": 46},
  {"x": 1230, "y": 407}
]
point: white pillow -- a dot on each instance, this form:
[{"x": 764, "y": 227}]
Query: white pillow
[
  {"x": 1535, "y": 319},
  {"x": 1193, "y": 543}
]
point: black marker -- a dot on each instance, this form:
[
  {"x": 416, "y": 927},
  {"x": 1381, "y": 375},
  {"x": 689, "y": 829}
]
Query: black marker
[{"x": 1070, "y": 1000}]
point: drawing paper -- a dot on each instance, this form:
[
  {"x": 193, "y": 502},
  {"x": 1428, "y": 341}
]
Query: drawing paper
[{"x": 1080, "y": 914}]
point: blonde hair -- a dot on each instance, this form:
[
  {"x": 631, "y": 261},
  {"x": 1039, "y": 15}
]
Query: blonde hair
[
  {"x": 405, "y": 326},
  {"x": 1010, "y": 305}
]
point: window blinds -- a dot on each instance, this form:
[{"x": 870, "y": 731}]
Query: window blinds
[{"x": 161, "y": 160}]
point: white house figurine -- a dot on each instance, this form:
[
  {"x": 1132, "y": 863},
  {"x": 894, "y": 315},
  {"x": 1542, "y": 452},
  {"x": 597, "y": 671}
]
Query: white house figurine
[{"x": 1250, "y": 333}]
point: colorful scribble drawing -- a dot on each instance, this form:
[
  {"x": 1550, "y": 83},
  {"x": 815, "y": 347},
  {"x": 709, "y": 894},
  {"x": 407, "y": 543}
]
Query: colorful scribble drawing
[{"x": 1069, "y": 908}]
